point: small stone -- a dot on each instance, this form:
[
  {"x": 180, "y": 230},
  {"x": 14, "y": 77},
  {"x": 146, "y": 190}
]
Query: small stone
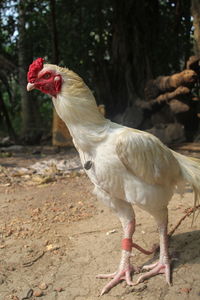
[
  {"x": 46, "y": 242},
  {"x": 15, "y": 297},
  {"x": 185, "y": 290},
  {"x": 9, "y": 233},
  {"x": 43, "y": 286},
  {"x": 11, "y": 268},
  {"x": 52, "y": 247},
  {"x": 59, "y": 289},
  {"x": 36, "y": 211},
  {"x": 38, "y": 293},
  {"x": 111, "y": 232}
]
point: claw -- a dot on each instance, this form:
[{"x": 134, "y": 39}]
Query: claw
[
  {"x": 112, "y": 283},
  {"x": 155, "y": 269},
  {"x": 118, "y": 277}
]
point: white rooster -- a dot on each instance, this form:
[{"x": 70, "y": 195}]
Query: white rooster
[{"x": 127, "y": 166}]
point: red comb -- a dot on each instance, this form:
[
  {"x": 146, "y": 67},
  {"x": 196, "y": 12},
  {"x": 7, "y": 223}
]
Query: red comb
[{"x": 34, "y": 69}]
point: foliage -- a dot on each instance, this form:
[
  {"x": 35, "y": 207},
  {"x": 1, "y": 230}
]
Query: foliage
[{"x": 99, "y": 40}]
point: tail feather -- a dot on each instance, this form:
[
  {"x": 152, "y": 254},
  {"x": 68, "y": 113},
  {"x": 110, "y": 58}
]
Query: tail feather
[{"x": 190, "y": 172}]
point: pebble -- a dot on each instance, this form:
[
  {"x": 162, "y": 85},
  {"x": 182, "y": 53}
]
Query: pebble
[
  {"x": 52, "y": 247},
  {"x": 1, "y": 281},
  {"x": 38, "y": 293},
  {"x": 43, "y": 286},
  {"x": 185, "y": 290},
  {"x": 15, "y": 298},
  {"x": 59, "y": 289},
  {"x": 111, "y": 232},
  {"x": 11, "y": 268}
]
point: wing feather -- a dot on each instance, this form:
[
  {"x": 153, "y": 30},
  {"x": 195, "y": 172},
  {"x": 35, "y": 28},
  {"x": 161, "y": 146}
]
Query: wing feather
[{"x": 146, "y": 157}]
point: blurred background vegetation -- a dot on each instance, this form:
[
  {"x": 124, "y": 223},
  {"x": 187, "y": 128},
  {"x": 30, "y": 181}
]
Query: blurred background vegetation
[{"x": 115, "y": 45}]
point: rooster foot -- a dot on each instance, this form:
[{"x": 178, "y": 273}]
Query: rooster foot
[
  {"x": 117, "y": 277},
  {"x": 155, "y": 269}
]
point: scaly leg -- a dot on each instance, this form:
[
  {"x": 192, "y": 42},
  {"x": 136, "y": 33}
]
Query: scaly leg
[
  {"x": 163, "y": 265},
  {"x": 125, "y": 268}
]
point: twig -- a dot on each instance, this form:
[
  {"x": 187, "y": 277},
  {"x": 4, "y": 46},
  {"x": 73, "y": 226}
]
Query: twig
[
  {"x": 29, "y": 295},
  {"x": 189, "y": 212},
  {"x": 30, "y": 263}
]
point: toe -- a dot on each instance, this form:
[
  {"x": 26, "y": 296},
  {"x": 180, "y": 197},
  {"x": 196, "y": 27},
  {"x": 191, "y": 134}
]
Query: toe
[
  {"x": 150, "y": 267},
  {"x": 105, "y": 276},
  {"x": 155, "y": 270},
  {"x": 128, "y": 278},
  {"x": 112, "y": 283}
]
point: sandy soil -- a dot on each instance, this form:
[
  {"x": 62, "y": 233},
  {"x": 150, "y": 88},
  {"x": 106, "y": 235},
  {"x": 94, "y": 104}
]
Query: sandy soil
[{"x": 55, "y": 237}]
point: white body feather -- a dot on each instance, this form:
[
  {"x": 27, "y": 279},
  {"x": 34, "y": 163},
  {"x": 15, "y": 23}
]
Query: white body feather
[
  {"x": 112, "y": 180},
  {"x": 127, "y": 164}
]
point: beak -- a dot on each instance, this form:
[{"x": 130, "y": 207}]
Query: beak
[{"x": 30, "y": 87}]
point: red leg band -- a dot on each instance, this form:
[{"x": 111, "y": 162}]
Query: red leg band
[{"x": 127, "y": 244}]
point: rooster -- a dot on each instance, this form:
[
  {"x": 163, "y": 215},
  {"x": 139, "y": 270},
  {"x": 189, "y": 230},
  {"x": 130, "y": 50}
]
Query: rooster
[{"x": 127, "y": 166}]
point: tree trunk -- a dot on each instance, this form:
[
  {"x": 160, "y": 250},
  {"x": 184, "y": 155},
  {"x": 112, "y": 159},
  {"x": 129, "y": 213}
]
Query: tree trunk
[
  {"x": 60, "y": 133},
  {"x": 5, "y": 114},
  {"x": 54, "y": 35},
  {"x": 28, "y": 131},
  {"x": 195, "y": 9},
  {"x": 131, "y": 50},
  {"x": 22, "y": 73}
]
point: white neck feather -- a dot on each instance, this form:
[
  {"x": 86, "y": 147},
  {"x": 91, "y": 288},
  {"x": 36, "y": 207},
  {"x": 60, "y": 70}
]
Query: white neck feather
[{"x": 83, "y": 119}]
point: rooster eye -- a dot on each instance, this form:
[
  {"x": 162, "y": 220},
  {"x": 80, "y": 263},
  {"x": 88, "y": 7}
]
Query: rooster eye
[{"x": 46, "y": 76}]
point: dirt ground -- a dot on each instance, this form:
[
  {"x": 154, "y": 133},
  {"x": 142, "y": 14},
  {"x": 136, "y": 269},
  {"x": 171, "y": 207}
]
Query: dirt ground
[{"x": 55, "y": 237}]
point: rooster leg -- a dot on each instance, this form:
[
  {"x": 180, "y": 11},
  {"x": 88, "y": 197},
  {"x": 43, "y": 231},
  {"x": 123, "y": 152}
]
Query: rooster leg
[
  {"x": 125, "y": 269},
  {"x": 126, "y": 215},
  {"x": 163, "y": 265}
]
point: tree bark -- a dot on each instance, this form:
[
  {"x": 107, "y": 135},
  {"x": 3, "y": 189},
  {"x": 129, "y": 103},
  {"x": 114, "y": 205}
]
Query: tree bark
[
  {"x": 164, "y": 84},
  {"x": 4, "y": 111},
  {"x": 178, "y": 107},
  {"x": 28, "y": 114},
  {"x": 60, "y": 133},
  {"x": 195, "y": 10},
  {"x": 132, "y": 41},
  {"x": 54, "y": 35},
  {"x": 174, "y": 95},
  {"x": 166, "y": 97}
]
